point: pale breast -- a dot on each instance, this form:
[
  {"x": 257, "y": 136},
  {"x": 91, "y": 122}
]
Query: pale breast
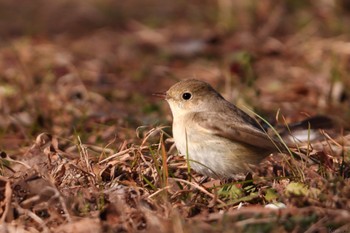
[
  {"x": 213, "y": 155},
  {"x": 179, "y": 135}
]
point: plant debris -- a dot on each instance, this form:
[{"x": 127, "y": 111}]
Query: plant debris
[{"x": 85, "y": 147}]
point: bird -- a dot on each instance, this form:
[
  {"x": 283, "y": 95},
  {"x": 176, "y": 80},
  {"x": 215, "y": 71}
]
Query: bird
[{"x": 219, "y": 139}]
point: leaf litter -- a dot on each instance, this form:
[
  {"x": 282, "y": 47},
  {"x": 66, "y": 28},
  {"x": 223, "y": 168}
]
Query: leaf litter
[{"x": 85, "y": 147}]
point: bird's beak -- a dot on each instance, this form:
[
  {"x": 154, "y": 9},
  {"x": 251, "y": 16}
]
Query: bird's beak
[{"x": 162, "y": 95}]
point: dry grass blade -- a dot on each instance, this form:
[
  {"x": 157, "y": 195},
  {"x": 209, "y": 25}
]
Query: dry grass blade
[
  {"x": 203, "y": 190},
  {"x": 159, "y": 191},
  {"x": 7, "y": 200},
  {"x": 85, "y": 158},
  {"x": 19, "y": 162},
  {"x": 33, "y": 216},
  {"x": 120, "y": 153},
  {"x": 164, "y": 159}
]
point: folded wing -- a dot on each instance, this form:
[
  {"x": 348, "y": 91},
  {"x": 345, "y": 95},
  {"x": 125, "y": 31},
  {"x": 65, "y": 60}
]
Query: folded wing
[{"x": 234, "y": 128}]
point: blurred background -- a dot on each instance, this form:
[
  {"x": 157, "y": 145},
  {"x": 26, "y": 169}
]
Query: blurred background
[{"x": 89, "y": 67}]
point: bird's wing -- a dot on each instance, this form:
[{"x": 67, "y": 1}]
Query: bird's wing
[{"x": 235, "y": 128}]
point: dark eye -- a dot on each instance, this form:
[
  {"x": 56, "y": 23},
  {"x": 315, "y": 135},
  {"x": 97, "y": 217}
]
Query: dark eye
[{"x": 186, "y": 96}]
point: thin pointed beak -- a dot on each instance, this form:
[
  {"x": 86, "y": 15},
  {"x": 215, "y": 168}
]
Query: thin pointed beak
[{"x": 162, "y": 95}]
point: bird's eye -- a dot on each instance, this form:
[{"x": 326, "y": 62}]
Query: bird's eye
[{"x": 186, "y": 96}]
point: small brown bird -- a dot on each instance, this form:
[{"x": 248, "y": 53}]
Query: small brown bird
[{"x": 219, "y": 139}]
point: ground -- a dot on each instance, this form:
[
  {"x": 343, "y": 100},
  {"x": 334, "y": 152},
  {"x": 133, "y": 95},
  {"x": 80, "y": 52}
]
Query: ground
[{"x": 86, "y": 147}]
